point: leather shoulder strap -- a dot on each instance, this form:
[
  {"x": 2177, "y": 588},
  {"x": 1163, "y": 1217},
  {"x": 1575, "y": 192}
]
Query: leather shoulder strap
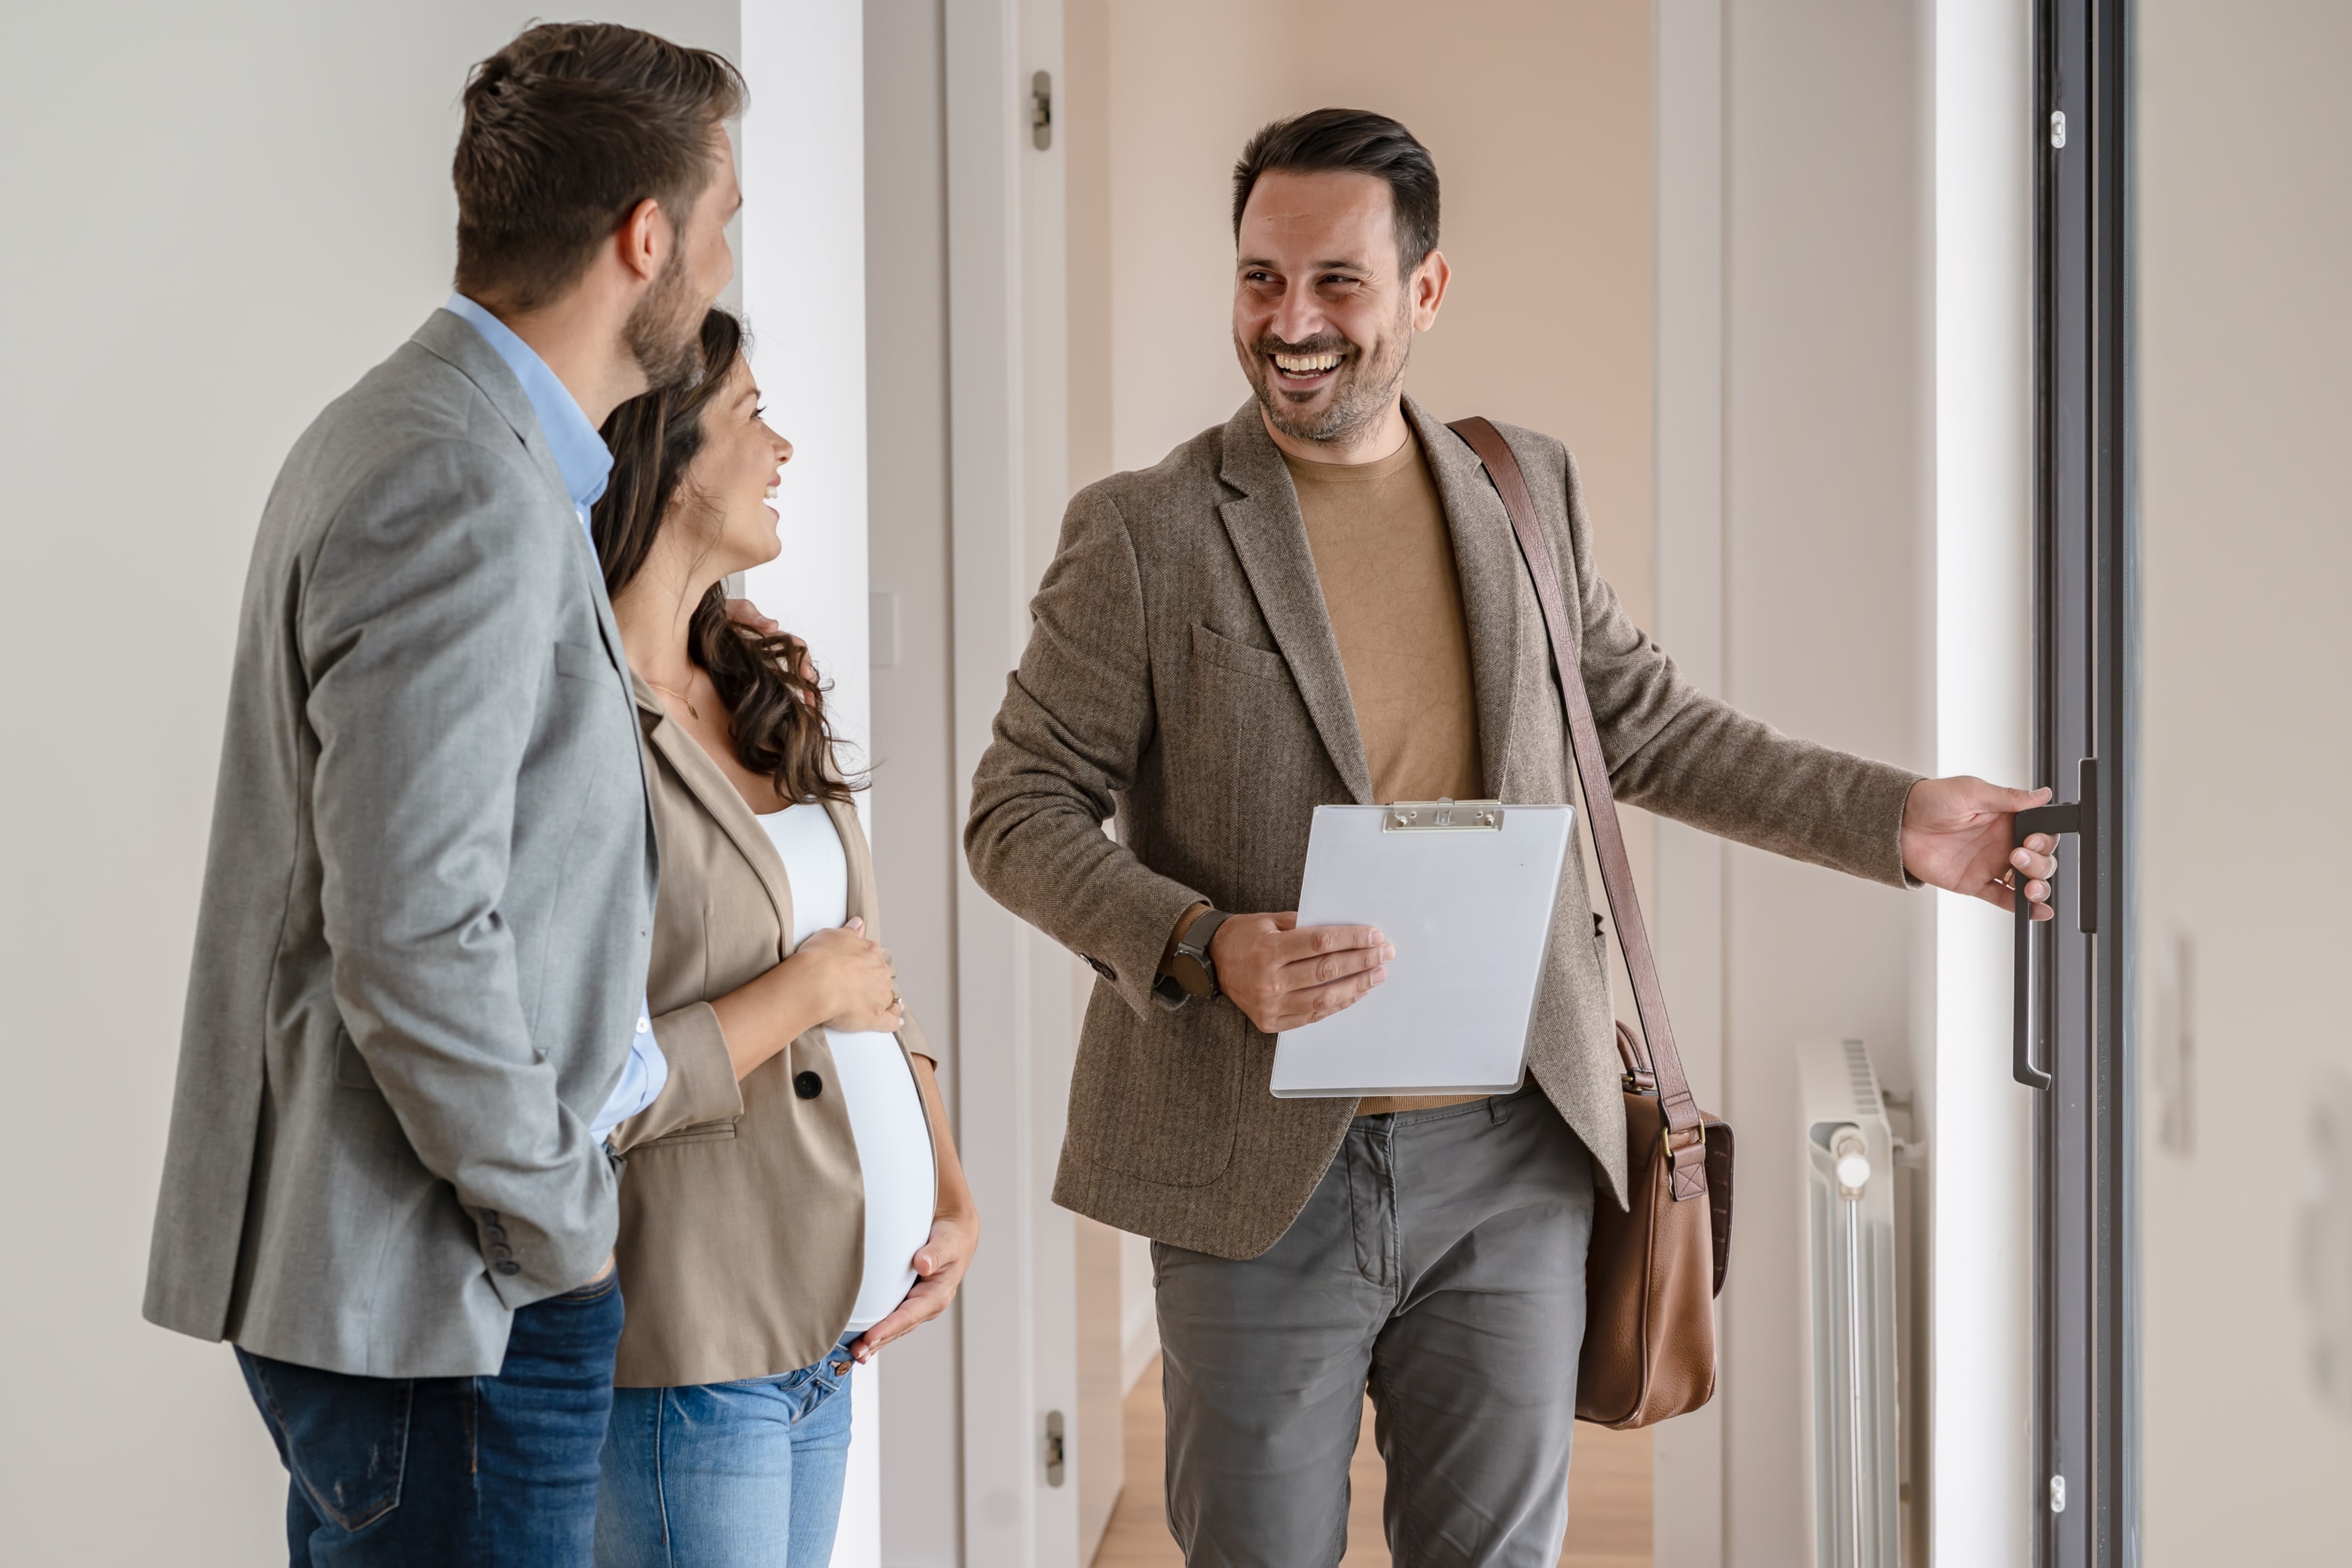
[{"x": 1685, "y": 1136}]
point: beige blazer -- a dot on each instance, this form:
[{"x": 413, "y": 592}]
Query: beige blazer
[
  {"x": 1181, "y": 673},
  {"x": 742, "y": 1212}
]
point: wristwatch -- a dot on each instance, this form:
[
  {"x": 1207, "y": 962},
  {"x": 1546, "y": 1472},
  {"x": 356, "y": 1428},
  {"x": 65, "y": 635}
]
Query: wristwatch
[{"x": 1189, "y": 971}]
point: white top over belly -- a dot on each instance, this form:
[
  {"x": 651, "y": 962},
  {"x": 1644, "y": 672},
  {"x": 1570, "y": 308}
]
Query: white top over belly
[{"x": 886, "y": 1109}]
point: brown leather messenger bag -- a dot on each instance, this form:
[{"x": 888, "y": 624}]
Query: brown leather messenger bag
[{"x": 1653, "y": 1274}]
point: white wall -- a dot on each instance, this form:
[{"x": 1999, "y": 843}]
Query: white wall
[
  {"x": 1823, "y": 534},
  {"x": 241, "y": 207},
  {"x": 916, "y": 854},
  {"x": 1979, "y": 1369},
  {"x": 1794, "y": 557},
  {"x": 802, "y": 270}
]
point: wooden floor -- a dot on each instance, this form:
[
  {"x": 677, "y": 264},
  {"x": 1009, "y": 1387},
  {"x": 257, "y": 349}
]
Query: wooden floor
[{"x": 1608, "y": 1498}]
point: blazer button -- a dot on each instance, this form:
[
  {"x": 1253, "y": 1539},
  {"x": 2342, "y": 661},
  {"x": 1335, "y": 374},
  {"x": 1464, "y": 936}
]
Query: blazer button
[
  {"x": 1099, "y": 967},
  {"x": 506, "y": 1265},
  {"x": 808, "y": 1085}
]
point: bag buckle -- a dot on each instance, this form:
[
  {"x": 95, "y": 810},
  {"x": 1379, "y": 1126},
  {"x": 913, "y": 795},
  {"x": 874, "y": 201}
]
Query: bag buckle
[{"x": 1685, "y": 1162}]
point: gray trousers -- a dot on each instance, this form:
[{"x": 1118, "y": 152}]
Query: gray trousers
[{"x": 1440, "y": 1264}]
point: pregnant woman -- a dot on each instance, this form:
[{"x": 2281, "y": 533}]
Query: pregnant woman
[{"x": 792, "y": 1200}]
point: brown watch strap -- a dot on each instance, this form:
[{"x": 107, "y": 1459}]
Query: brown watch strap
[
  {"x": 1176, "y": 937},
  {"x": 1684, "y": 1138}
]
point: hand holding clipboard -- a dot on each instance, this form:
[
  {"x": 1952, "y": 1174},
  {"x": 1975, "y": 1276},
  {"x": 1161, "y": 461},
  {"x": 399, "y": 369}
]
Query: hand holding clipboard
[{"x": 1465, "y": 891}]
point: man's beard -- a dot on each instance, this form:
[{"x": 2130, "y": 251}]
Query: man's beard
[
  {"x": 1362, "y": 390},
  {"x": 664, "y": 330}
]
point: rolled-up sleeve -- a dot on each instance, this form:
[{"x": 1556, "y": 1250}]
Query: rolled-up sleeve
[{"x": 701, "y": 1085}]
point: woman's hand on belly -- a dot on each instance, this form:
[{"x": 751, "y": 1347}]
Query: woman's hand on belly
[
  {"x": 939, "y": 1273},
  {"x": 944, "y": 1255},
  {"x": 836, "y": 977}
]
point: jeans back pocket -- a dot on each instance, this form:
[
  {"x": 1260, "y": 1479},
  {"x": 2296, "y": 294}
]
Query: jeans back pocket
[{"x": 344, "y": 1439}]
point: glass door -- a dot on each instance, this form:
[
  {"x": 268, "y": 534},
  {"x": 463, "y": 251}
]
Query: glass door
[{"x": 2240, "y": 230}]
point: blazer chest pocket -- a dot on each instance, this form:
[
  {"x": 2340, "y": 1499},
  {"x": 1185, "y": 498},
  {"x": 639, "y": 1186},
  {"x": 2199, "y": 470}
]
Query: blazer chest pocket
[
  {"x": 1210, "y": 648},
  {"x": 583, "y": 661},
  {"x": 692, "y": 1132}
]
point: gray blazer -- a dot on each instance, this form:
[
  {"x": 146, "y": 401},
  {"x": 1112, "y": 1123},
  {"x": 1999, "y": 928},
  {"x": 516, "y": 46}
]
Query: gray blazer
[
  {"x": 1183, "y": 674},
  {"x": 425, "y": 925}
]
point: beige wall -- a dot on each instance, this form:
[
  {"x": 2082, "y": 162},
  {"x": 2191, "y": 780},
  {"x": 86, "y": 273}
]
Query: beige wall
[{"x": 2246, "y": 393}]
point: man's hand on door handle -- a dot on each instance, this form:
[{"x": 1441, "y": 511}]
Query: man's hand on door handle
[{"x": 1958, "y": 835}]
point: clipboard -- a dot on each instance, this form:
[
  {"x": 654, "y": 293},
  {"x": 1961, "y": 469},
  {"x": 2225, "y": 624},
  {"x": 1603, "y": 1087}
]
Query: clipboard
[{"x": 1466, "y": 891}]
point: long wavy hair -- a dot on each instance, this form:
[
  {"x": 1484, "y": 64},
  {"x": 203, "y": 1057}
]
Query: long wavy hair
[{"x": 780, "y": 725}]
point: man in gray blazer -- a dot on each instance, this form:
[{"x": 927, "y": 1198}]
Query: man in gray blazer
[
  {"x": 1321, "y": 601},
  {"x": 416, "y": 1005}
]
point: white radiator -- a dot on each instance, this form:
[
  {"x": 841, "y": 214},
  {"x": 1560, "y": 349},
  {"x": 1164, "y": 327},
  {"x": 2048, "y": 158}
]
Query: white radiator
[{"x": 1850, "y": 1305}]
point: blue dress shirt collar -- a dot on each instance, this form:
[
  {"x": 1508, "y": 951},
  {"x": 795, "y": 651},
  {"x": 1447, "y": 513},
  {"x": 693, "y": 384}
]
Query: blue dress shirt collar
[{"x": 581, "y": 455}]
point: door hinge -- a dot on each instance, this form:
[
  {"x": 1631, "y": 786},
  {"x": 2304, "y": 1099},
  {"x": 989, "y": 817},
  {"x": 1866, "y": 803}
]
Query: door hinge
[
  {"x": 1055, "y": 1468},
  {"x": 1041, "y": 111},
  {"x": 2057, "y": 128}
]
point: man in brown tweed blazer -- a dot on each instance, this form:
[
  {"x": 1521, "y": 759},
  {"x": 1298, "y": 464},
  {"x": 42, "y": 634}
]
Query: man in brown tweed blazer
[{"x": 1321, "y": 601}]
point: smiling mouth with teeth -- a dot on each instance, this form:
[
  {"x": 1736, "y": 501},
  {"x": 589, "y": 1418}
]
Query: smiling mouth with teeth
[{"x": 1305, "y": 365}]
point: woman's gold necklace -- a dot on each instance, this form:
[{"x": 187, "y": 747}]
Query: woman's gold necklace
[{"x": 684, "y": 697}]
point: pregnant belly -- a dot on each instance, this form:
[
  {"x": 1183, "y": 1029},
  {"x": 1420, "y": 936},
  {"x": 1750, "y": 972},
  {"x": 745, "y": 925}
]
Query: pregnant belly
[{"x": 893, "y": 1155}]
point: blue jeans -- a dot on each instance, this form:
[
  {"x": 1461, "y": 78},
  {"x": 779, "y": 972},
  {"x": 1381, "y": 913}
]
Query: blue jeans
[
  {"x": 451, "y": 1472},
  {"x": 728, "y": 1475}
]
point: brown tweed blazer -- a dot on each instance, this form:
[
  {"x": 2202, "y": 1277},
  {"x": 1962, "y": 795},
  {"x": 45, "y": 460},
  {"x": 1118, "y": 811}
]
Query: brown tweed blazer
[{"x": 1182, "y": 675}]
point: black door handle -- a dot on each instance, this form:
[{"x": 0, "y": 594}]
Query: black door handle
[{"x": 2080, "y": 816}]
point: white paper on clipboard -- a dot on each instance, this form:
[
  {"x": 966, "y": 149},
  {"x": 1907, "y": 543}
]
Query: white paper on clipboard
[{"x": 1468, "y": 902}]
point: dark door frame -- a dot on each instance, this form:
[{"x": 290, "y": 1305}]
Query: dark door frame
[{"x": 2085, "y": 1267}]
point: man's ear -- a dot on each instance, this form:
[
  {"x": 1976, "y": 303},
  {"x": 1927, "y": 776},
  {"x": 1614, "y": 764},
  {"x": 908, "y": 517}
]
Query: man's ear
[
  {"x": 644, "y": 238},
  {"x": 1428, "y": 289}
]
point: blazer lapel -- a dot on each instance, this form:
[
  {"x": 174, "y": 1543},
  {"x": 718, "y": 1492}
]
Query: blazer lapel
[
  {"x": 724, "y": 804},
  {"x": 1496, "y": 600},
  {"x": 1270, "y": 538},
  {"x": 450, "y": 338},
  {"x": 453, "y": 338}
]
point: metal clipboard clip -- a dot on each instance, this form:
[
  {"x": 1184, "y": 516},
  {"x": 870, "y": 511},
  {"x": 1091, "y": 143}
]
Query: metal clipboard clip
[{"x": 1442, "y": 817}]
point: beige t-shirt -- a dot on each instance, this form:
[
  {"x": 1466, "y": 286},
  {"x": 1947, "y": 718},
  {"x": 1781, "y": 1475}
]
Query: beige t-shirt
[{"x": 1385, "y": 559}]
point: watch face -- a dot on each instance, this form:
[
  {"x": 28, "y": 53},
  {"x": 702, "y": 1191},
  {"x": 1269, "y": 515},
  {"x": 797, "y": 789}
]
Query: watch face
[{"x": 1189, "y": 973}]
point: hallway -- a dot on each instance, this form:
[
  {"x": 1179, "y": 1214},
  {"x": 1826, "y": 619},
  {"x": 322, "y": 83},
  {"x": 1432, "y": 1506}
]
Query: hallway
[{"x": 1608, "y": 1514}]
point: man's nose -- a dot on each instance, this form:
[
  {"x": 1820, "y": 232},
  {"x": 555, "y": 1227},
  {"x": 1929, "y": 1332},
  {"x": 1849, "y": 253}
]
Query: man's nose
[{"x": 1298, "y": 317}]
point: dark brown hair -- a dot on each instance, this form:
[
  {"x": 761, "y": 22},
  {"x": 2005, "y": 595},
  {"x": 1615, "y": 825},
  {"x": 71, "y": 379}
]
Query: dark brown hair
[
  {"x": 567, "y": 129},
  {"x": 780, "y": 727},
  {"x": 1356, "y": 141}
]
